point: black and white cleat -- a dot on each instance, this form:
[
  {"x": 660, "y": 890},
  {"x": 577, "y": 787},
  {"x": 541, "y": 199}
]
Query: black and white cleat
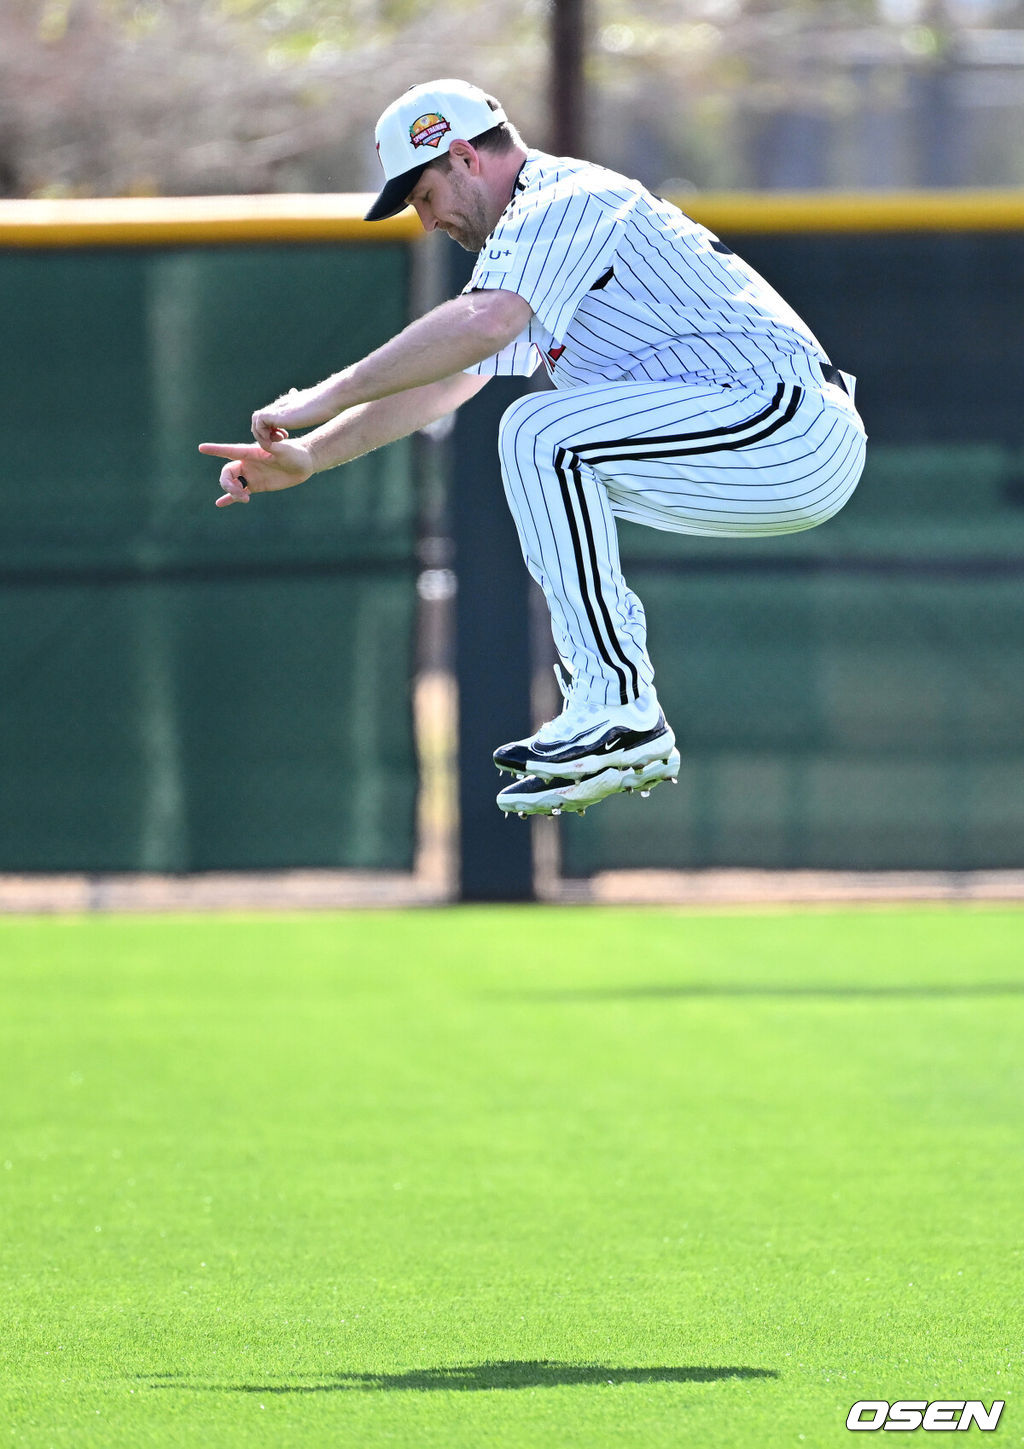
[
  {"x": 592, "y": 751},
  {"x": 588, "y": 738},
  {"x": 532, "y": 795}
]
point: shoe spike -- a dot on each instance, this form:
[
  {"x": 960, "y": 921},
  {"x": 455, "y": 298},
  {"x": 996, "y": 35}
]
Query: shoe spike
[
  {"x": 557, "y": 810},
  {"x": 521, "y": 814},
  {"x": 645, "y": 794}
]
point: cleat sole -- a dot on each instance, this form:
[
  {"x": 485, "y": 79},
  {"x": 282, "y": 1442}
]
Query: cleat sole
[{"x": 656, "y": 773}]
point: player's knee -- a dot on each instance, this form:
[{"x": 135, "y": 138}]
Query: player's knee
[{"x": 521, "y": 423}]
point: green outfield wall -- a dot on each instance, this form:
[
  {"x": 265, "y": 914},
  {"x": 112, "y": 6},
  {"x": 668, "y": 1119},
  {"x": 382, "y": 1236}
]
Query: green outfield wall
[
  {"x": 184, "y": 687},
  {"x": 187, "y": 688}
]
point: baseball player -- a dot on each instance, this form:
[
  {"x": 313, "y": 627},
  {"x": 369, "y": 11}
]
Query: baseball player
[{"x": 687, "y": 396}]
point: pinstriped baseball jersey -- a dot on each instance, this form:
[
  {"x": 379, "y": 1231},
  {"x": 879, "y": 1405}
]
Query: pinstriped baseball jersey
[{"x": 625, "y": 287}]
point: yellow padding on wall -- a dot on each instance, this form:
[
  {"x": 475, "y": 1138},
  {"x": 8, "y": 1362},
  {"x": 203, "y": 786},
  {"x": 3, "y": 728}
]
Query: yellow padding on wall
[
  {"x": 867, "y": 211},
  {"x": 197, "y": 220},
  {"x": 285, "y": 217}
]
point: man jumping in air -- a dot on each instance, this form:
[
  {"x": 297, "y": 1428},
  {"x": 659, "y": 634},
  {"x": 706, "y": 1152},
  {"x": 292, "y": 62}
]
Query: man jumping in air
[{"x": 687, "y": 396}]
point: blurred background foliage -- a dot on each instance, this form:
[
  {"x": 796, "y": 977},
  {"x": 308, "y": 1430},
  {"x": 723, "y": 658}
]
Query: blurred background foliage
[{"x": 113, "y": 97}]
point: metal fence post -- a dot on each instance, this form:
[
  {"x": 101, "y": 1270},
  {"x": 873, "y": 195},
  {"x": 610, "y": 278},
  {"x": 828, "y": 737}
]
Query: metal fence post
[{"x": 492, "y": 651}]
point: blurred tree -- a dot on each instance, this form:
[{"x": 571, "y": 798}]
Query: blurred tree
[
  {"x": 188, "y": 96},
  {"x": 191, "y": 96}
]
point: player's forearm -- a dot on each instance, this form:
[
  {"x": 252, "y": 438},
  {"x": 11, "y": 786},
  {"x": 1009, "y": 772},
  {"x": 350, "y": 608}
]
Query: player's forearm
[
  {"x": 456, "y": 335},
  {"x": 371, "y": 425}
]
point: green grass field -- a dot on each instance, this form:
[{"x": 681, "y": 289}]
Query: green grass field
[{"x": 508, "y": 1177}]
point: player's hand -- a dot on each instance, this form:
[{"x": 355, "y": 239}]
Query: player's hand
[
  {"x": 253, "y": 469},
  {"x": 295, "y": 409}
]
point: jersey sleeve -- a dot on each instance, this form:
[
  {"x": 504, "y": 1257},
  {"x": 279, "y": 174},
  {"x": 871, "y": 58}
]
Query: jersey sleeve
[
  {"x": 551, "y": 250},
  {"x": 520, "y": 358}
]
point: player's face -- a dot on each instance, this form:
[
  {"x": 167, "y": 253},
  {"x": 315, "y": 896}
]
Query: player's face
[{"x": 454, "y": 202}]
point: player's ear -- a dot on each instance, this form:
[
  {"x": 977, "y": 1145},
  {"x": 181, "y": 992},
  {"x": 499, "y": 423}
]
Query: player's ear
[{"x": 464, "y": 155}]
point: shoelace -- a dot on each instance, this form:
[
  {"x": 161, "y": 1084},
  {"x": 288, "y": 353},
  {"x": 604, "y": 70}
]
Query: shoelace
[
  {"x": 563, "y": 678},
  {"x": 575, "y": 713},
  {"x": 571, "y": 706}
]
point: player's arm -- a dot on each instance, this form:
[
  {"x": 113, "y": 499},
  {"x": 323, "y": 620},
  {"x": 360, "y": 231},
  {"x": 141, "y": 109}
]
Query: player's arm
[
  {"x": 370, "y": 425},
  {"x": 285, "y": 462},
  {"x": 454, "y": 336}
]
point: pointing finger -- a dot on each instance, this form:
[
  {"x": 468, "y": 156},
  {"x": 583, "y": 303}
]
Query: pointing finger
[{"x": 232, "y": 450}]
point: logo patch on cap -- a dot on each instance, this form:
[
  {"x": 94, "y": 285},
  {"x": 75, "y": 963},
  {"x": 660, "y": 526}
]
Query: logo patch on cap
[{"x": 427, "y": 130}]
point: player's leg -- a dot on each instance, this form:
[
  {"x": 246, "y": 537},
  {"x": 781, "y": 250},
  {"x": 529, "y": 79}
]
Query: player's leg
[
  {"x": 778, "y": 462},
  {"x": 725, "y": 461},
  {"x": 568, "y": 534}
]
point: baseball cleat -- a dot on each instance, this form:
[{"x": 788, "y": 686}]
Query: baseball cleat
[
  {"x": 532, "y": 795},
  {"x": 587, "y": 739}
]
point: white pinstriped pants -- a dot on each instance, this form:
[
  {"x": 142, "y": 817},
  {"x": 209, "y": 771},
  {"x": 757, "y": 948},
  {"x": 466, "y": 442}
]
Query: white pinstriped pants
[{"x": 688, "y": 458}]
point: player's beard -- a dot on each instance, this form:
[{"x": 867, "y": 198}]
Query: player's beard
[{"x": 472, "y": 225}]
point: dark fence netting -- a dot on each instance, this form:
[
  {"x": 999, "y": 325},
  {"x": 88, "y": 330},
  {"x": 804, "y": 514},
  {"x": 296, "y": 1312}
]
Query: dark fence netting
[
  {"x": 185, "y": 687},
  {"x": 853, "y": 697}
]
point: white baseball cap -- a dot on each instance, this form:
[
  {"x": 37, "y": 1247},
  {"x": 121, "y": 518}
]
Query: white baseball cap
[{"x": 418, "y": 128}]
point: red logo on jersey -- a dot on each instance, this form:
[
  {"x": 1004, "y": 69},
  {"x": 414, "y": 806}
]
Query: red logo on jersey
[{"x": 554, "y": 353}]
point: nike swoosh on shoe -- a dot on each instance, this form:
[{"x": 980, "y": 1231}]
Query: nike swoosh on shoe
[
  {"x": 542, "y": 749},
  {"x": 618, "y": 738}
]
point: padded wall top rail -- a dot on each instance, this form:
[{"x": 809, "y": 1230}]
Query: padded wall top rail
[
  {"x": 197, "y": 220},
  {"x": 867, "y": 211},
  {"x": 201, "y": 220}
]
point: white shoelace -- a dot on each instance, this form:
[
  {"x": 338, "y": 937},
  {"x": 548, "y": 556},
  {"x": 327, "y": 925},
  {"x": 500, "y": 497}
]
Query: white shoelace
[{"x": 576, "y": 714}]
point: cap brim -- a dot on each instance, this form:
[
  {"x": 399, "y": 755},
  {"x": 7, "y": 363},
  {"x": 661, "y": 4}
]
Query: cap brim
[{"x": 392, "y": 199}]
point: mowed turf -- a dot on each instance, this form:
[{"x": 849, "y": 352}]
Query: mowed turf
[{"x": 508, "y": 1177}]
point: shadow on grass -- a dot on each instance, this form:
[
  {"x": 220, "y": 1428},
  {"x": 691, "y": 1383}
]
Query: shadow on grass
[
  {"x": 473, "y": 1378},
  {"x": 697, "y": 990}
]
